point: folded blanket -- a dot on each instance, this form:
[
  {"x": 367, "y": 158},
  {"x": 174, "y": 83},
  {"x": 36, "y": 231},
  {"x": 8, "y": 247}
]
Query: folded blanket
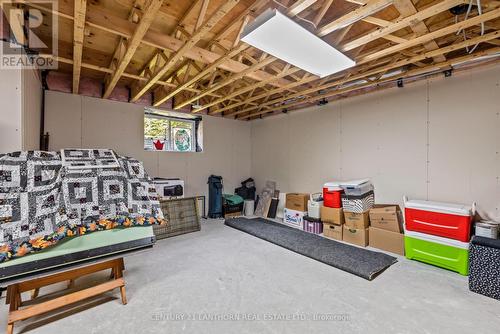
[{"x": 42, "y": 200}]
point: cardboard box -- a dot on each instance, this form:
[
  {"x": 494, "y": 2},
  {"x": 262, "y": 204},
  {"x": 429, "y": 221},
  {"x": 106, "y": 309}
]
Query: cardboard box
[
  {"x": 332, "y": 215},
  {"x": 357, "y": 220},
  {"x": 296, "y": 201},
  {"x": 387, "y": 217},
  {"x": 355, "y": 236},
  {"x": 332, "y": 231},
  {"x": 387, "y": 240},
  {"x": 294, "y": 218}
]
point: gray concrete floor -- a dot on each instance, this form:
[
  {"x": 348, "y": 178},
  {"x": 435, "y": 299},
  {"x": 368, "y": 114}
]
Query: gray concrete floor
[{"x": 221, "y": 280}]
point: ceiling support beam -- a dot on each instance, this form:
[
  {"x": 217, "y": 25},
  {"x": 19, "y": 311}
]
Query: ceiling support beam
[
  {"x": 299, "y": 6},
  {"x": 401, "y": 23},
  {"x": 125, "y": 74},
  {"x": 78, "y": 34},
  {"x": 161, "y": 95},
  {"x": 151, "y": 8},
  {"x": 137, "y": 91},
  {"x": 302, "y": 81},
  {"x": 406, "y": 74},
  {"x": 361, "y": 75},
  {"x": 371, "y": 7},
  {"x": 321, "y": 13},
  {"x": 407, "y": 8},
  {"x": 430, "y": 36},
  {"x": 110, "y": 23},
  {"x": 227, "y": 81}
]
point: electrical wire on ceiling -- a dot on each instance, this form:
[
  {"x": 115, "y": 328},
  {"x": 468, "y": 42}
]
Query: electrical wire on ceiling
[{"x": 462, "y": 30}]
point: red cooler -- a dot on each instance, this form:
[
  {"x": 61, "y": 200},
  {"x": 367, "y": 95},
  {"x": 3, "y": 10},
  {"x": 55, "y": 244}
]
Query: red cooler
[
  {"x": 442, "y": 219},
  {"x": 332, "y": 195}
]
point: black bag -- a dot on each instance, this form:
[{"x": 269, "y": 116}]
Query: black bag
[
  {"x": 247, "y": 189},
  {"x": 246, "y": 193},
  {"x": 215, "y": 196}
]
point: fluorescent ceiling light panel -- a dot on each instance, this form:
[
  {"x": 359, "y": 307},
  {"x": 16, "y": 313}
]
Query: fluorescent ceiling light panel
[{"x": 280, "y": 36}]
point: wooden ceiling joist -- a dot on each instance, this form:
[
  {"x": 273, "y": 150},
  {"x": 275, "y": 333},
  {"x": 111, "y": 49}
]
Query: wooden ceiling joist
[
  {"x": 431, "y": 36},
  {"x": 227, "y": 81},
  {"x": 78, "y": 35},
  {"x": 407, "y": 8},
  {"x": 299, "y": 6},
  {"x": 251, "y": 87},
  {"x": 191, "y": 50},
  {"x": 321, "y": 13},
  {"x": 137, "y": 92},
  {"x": 371, "y": 7},
  {"x": 108, "y": 22},
  {"x": 384, "y": 51},
  {"x": 150, "y": 10},
  {"x": 363, "y": 75},
  {"x": 161, "y": 95},
  {"x": 406, "y": 74},
  {"x": 401, "y": 23},
  {"x": 245, "y": 14}
]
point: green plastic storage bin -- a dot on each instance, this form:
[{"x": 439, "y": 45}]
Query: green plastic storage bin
[{"x": 442, "y": 252}]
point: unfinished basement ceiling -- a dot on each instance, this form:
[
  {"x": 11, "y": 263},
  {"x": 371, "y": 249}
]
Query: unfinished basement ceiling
[{"x": 188, "y": 52}]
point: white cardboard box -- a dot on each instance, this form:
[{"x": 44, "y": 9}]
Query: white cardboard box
[{"x": 294, "y": 218}]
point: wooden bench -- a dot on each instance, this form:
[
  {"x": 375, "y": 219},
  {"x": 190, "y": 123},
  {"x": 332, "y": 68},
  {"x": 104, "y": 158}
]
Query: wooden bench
[{"x": 19, "y": 311}]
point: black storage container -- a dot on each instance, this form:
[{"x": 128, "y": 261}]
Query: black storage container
[{"x": 484, "y": 266}]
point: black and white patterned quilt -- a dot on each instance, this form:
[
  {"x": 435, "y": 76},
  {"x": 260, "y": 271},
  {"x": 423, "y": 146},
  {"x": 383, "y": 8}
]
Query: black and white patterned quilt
[{"x": 43, "y": 201}]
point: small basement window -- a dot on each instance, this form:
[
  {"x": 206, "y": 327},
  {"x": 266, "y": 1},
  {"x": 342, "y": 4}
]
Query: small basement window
[{"x": 171, "y": 131}]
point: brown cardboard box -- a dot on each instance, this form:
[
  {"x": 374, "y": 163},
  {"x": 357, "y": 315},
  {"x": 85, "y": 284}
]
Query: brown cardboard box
[
  {"x": 357, "y": 220},
  {"x": 387, "y": 217},
  {"x": 387, "y": 240},
  {"x": 296, "y": 201},
  {"x": 332, "y": 215},
  {"x": 355, "y": 236},
  {"x": 332, "y": 231}
]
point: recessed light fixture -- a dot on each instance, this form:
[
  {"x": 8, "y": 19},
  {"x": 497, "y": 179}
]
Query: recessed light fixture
[{"x": 280, "y": 36}]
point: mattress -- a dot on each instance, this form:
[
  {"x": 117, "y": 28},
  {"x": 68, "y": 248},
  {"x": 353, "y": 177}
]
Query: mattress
[{"x": 79, "y": 250}]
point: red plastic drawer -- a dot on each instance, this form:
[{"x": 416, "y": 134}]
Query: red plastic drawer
[
  {"x": 436, "y": 223},
  {"x": 332, "y": 198}
]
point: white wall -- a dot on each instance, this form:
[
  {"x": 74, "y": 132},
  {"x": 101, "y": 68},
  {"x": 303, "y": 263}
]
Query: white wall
[
  {"x": 10, "y": 111},
  {"x": 437, "y": 139},
  {"x": 31, "y": 105},
  {"x": 20, "y": 110},
  {"x": 86, "y": 122}
]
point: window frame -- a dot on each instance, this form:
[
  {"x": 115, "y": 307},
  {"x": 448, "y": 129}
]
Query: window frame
[{"x": 171, "y": 146}]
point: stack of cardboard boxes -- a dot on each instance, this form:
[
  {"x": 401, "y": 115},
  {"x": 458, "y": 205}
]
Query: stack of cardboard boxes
[
  {"x": 295, "y": 209},
  {"x": 386, "y": 228},
  {"x": 356, "y": 228},
  {"x": 333, "y": 221},
  {"x": 357, "y": 200},
  {"x": 355, "y": 219}
]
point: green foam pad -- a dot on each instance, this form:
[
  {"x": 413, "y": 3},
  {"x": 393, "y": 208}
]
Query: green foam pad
[{"x": 86, "y": 242}]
